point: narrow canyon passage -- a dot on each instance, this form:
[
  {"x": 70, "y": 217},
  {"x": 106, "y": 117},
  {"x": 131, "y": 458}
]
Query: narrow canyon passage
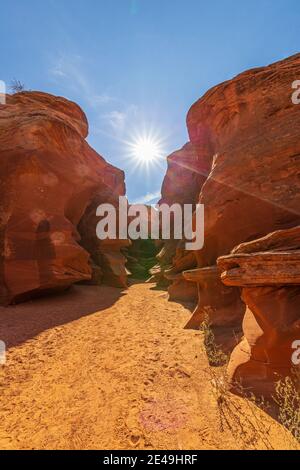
[{"x": 104, "y": 369}]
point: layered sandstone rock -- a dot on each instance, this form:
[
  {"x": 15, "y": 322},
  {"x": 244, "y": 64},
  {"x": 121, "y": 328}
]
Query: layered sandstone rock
[
  {"x": 248, "y": 129},
  {"x": 268, "y": 272},
  {"x": 185, "y": 176},
  {"x": 105, "y": 254},
  {"x": 180, "y": 288},
  {"x": 220, "y": 306},
  {"x": 49, "y": 177},
  {"x": 245, "y": 138}
]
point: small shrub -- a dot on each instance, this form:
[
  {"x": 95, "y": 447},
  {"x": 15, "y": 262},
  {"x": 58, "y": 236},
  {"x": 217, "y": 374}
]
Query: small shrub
[
  {"x": 216, "y": 356},
  {"x": 287, "y": 397},
  {"x": 242, "y": 419}
]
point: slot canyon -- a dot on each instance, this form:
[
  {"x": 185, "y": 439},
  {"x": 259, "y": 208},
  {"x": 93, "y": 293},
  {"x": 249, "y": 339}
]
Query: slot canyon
[{"x": 109, "y": 341}]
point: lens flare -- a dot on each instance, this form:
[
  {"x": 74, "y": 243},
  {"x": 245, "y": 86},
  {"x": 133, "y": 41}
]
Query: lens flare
[{"x": 146, "y": 150}]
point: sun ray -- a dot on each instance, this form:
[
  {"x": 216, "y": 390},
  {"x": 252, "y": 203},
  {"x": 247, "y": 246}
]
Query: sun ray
[{"x": 146, "y": 149}]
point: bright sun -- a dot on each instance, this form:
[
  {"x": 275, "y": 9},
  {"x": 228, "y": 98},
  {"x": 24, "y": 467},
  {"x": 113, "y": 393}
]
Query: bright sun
[{"x": 146, "y": 150}]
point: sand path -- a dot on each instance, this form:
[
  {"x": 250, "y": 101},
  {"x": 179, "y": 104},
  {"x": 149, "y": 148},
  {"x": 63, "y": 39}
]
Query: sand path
[{"x": 104, "y": 369}]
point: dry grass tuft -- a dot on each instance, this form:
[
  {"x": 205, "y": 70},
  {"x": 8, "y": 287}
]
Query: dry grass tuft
[
  {"x": 244, "y": 415},
  {"x": 287, "y": 398},
  {"x": 216, "y": 356}
]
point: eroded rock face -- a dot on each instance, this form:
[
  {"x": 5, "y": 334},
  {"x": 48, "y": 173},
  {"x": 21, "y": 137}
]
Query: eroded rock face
[
  {"x": 49, "y": 176},
  {"x": 248, "y": 128},
  {"x": 268, "y": 272},
  {"x": 251, "y": 128},
  {"x": 105, "y": 254},
  {"x": 185, "y": 176},
  {"x": 181, "y": 289},
  {"x": 245, "y": 138}
]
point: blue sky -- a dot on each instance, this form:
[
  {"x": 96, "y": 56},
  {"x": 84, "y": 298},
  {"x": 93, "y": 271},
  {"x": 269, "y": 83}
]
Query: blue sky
[{"x": 136, "y": 65}]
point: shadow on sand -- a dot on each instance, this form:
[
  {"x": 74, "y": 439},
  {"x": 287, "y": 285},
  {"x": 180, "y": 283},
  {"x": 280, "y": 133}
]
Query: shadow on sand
[{"x": 25, "y": 321}]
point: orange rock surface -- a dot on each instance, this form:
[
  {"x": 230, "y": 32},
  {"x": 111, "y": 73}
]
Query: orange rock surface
[
  {"x": 183, "y": 180},
  {"x": 248, "y": 127},
  {"x": 49, "y": 177},
  {"x": 253, "y": 189},
  {"x": 268, "y": 272},
  {"x": 245, "y": 136}
]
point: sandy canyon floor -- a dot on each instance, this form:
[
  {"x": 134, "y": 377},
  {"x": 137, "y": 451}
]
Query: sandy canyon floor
[{"x": 98, "y": 368}]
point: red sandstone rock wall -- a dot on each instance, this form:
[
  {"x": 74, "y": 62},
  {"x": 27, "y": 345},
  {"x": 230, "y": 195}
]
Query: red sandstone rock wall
[
  {"x": 252, "y": 128},
  {"x": 49, "y": 177},
  {"x": 268, "y": 271},
  {"x": 185, "y": 176},
  {"x": 246, "y": 135}
]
